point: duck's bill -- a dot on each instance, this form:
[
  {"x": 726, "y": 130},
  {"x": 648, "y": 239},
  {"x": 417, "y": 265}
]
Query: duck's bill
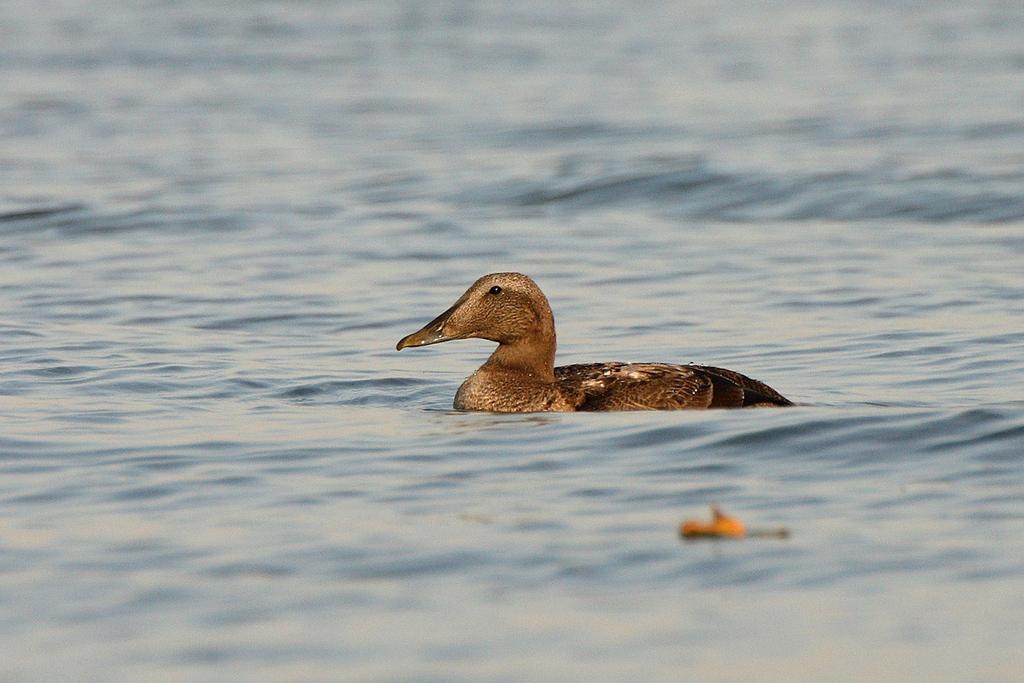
[{"x": 432, "y": 333}]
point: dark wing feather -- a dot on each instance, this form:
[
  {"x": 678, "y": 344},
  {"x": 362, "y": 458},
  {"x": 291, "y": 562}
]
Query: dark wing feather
[
  {"x": 662, "y": 386},
  {"x": 637, "y": 386},
  {"x": 754, "y": 393}
]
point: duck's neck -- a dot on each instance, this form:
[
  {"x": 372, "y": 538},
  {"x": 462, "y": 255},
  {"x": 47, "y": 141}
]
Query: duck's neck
[{"x": 534, "y": 356}]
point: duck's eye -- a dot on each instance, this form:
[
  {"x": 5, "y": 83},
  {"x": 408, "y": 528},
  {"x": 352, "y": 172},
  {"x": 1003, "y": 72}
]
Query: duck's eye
[{"x": 495, "y": 290}]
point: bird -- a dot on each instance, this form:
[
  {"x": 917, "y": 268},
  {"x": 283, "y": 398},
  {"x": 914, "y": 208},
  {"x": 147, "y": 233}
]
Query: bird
[{"x": 520, "y": 376}]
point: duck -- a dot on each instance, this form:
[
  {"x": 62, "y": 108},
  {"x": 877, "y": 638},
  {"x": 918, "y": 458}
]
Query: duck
[{"x": 520, "y": 376}]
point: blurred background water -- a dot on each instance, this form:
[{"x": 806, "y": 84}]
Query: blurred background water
[{"x": 216, "y": 219}]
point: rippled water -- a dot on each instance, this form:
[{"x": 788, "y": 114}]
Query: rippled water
[{"x": 217, "y": 220}]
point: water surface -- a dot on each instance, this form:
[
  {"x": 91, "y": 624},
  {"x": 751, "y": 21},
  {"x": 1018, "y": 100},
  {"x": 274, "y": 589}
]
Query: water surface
[{"x": 217, "y": 220}]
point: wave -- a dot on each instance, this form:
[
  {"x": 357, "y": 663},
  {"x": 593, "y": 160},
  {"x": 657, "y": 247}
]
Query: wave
[
  {"x": 695, "y": 190},
  {"x": 82, "y": 220}
]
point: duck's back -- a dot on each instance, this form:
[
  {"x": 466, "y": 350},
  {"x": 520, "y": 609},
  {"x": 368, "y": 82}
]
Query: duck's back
[{"x": 663, "y": 386}]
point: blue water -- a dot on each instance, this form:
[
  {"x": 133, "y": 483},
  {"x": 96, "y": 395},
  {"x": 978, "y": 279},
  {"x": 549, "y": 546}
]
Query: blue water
[{"x": 216, "y": 220}]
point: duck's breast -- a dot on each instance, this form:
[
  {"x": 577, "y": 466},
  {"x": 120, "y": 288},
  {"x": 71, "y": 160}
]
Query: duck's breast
[{"x": 512, "y": 393}]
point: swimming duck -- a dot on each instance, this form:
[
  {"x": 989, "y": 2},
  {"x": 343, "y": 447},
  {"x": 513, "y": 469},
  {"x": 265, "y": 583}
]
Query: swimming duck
[{"x": 520, "y": 376}]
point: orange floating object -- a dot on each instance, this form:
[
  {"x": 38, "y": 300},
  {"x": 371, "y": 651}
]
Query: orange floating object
[{"x": 721, "y": 526}]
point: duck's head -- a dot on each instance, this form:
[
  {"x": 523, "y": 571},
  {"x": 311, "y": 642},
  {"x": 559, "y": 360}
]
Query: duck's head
[{"x": 507, "y": 308}]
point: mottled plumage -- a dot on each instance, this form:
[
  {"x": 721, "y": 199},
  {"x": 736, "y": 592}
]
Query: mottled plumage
[{"x": 520, "y": 375}]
